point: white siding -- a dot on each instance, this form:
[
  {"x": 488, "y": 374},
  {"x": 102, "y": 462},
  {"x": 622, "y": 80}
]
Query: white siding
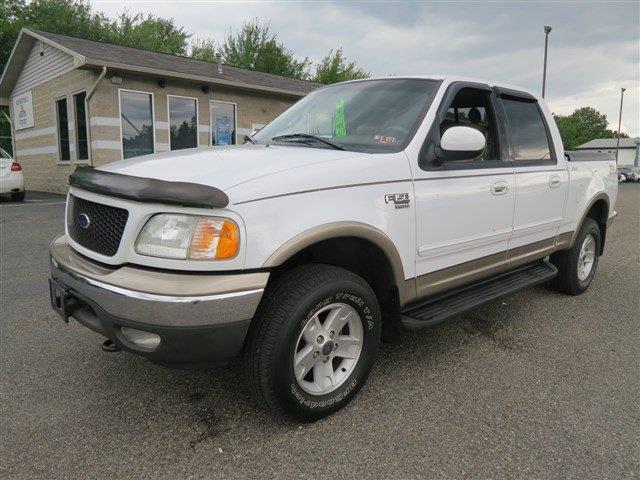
[{"x": 41, "y": 68}]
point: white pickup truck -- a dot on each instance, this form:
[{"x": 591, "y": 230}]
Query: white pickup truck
[{"x": 368, "y": 206}]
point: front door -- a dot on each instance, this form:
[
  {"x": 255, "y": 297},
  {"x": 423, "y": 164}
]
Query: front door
[
  {"x": 464, "y": 208},
  {"x": 223, "y": 123}
]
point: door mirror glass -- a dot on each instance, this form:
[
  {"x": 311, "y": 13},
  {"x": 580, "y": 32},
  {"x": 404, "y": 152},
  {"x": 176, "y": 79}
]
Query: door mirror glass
[{"x": 461, "y": 143}]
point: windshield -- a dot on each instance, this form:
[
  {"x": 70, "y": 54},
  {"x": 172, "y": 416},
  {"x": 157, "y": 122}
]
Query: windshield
[{"x": 367, "y": 116}]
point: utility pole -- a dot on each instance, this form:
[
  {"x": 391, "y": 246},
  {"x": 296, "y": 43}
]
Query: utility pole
[
  {"x": 547, "y": 31},
  {"x": 619, "y": 122}
]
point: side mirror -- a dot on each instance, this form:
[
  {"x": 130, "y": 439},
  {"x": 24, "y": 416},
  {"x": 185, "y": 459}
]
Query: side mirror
[{"x": 460, "y": 143}]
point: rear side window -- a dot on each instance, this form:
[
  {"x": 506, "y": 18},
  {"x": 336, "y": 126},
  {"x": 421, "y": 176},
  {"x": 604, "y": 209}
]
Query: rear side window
[{"x": 528, "y": 133}]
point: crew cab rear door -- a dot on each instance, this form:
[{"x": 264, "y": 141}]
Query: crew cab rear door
[
  {"x": 464, "y": 209},
  {"x": 541, "y": 177}
]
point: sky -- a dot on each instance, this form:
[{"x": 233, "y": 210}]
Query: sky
[{"x": 594, "y": 47}]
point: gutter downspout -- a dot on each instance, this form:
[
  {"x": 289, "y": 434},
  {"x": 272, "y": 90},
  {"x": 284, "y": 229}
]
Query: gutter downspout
[{"x": 90, "y": 93}]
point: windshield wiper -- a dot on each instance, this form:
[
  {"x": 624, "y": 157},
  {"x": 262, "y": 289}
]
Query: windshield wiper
[
  {"x": 307, "y": 136},
  {"x": 247, "y": 138}
]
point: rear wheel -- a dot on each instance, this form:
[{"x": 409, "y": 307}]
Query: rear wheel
[
  {"x": 19, "y": 197},
  {"x": 577, "y": 266},
  {"x": 313, "y": 341}
]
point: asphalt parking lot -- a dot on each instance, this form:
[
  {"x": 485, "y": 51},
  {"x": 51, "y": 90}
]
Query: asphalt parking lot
[{"x": 538, "y": 385}]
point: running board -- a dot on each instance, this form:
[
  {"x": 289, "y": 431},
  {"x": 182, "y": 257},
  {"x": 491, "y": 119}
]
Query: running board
[{"x": 440, "y": 307}]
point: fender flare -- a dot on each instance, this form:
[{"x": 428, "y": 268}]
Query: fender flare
[
  {"x": 592, "y": 202},
  {"x": 341, "y": 229}
]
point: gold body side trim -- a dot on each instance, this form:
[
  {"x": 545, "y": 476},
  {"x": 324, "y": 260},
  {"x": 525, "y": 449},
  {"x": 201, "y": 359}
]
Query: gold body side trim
[{"x": 457, "y": 275}]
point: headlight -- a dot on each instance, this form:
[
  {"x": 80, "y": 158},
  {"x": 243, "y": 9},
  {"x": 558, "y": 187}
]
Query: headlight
[{"x": 189, "y": 237}]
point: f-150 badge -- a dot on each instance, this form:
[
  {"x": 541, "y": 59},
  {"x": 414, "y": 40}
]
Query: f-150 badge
[{"x": 400, "y": 200}]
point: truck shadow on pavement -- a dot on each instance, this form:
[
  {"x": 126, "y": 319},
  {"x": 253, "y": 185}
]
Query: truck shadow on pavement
[{"x": 211, "y": 403}]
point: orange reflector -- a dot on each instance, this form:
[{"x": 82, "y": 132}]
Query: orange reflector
[
  {"x": 228, "y": 241},
  {"x": 214, "y": 238}
]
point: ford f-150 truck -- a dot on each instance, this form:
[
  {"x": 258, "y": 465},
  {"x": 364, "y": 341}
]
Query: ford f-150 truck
[{"x": 367, "y": 207}]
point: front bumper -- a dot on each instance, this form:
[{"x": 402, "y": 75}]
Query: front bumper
[{"x": 201, "y": 319}]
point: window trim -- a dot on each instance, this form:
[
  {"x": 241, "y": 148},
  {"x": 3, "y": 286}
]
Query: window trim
[
  {"x": 153, "y": 118},
  {"x": 523, "y": 97},
  {"x": 433, "y": 136},
  {"x": 235, "y": 120},
  {"x": 59, "y": 160},
  {"x": 171, "y": 95},
  {"x": 75, "y": 129}
]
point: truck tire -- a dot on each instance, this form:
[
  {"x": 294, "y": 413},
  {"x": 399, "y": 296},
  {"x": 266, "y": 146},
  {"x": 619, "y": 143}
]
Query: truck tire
[
  {"x": 18, "y": 197},
  {"x": 313, "y": 341},
  {"x": 577, "y": 266}
]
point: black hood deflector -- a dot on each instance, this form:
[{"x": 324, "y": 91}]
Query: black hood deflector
[{"x": 148, "y": 190}]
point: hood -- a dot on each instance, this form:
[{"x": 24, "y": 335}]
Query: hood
[{"x": 224, "y": 167}]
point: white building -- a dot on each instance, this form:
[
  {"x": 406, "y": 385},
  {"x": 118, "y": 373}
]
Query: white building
[{"x": 629, "y": 149}]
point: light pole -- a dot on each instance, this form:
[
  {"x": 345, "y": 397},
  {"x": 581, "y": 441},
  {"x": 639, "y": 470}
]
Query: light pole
[
  {"x": 547, "y": 31},
  {"x": 619, "y": 122}
]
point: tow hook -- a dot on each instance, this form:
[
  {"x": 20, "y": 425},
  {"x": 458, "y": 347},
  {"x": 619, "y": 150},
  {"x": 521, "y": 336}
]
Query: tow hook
[{"x": 109, "y": 346}]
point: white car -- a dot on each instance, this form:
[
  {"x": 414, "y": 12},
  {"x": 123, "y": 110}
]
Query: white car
[
  {"x": 11, "y": 181},
  {"x": 369, "y": 206}
]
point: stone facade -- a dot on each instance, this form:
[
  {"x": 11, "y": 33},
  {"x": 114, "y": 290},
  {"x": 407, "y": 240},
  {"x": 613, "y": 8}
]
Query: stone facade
[{"x": 37, "y": 147}]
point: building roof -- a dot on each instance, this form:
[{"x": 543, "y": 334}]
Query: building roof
[
  {"x": 600, "y": 143},
  {"x": 89, "y": 52}
]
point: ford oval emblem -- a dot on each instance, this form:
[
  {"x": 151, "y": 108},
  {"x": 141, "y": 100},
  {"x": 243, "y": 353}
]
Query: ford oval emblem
[{"x": 83, "y": 221}]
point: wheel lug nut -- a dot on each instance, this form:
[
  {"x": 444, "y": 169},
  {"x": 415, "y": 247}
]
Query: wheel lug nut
[
  {"x": 320, "y": 339},
  {"x": 316, "y": 354}
]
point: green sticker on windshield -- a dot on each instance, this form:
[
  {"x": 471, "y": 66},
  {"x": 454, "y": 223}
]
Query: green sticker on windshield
[{"x": 341, "y": 124}]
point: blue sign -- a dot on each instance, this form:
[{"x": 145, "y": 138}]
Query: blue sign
[{"x": 223, "y": 131}]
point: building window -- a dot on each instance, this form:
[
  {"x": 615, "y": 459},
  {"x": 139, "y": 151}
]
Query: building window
[
  {"x": 63, "y": 130},
  {"x": 183, "y": 123},
  {"x": 136, "y": 117},
  {"x": 223, "y": 123},
  {"x": 82, "y": 148}
]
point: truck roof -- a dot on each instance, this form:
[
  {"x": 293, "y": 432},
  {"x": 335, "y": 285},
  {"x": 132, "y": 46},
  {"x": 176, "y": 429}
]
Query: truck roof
[{"x": 453, "y": 78}]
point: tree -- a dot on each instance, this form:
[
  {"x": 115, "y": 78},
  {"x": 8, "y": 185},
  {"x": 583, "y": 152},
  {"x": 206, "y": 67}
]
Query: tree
[
  {"x": 334, "y": 68},
  {"x": 583, "y": 125},
  {"x": 255, "y": 48},
  {"x": 204, "y": 50},
  {"x": 150, "y": 33},
  {"x": 69, "y": 17},
  {"x": 77, "y": 18}
]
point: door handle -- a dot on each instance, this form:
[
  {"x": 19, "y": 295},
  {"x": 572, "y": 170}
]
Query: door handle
[
  {"x": 555, "y": 181},
  {"x": 499, "y": 188}
]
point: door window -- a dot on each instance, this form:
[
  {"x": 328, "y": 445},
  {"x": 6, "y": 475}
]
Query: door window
[
  {"x": 528, "y": 133},
  {"x": 136, "y": 115},
  {"x": 82, "y": 148},
  {"x": 223, "y": 123},
  {"x": 472, "y": 108},
  {"x": 63, "y": 130}
]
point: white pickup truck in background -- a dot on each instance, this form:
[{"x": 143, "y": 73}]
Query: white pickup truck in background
[{"x": 368, "y": 205}]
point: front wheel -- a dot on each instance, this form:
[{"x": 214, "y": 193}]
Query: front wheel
[
  {"x": 577, "y": 266},
  {"x": 313, "y": 341}
]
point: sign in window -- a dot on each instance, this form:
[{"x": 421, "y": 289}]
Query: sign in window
[{"x": 223, "y": 123}]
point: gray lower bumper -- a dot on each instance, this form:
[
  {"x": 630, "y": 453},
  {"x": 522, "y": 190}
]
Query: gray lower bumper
[
  {"x": 159, "y": 298},
  {"x": 199, "y": 318}
]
